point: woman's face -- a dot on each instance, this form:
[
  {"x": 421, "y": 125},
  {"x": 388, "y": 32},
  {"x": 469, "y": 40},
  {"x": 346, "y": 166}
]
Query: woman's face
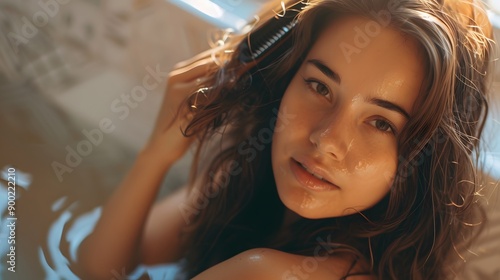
[{"x": 348, "y": 102}]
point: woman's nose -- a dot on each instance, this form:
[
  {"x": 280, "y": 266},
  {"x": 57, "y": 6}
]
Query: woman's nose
[{"x": 334, "y": 135}]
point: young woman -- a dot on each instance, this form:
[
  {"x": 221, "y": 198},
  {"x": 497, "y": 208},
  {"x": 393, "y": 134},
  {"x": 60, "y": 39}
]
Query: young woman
[{"x": 344, "y": 153}]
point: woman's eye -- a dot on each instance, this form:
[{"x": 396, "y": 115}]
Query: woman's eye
[
  {"x": 317, "y": 87},
  {"x": 382, "y": 125}
]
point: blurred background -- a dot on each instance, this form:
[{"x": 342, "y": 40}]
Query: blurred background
[{"x": 73, "y": 117}]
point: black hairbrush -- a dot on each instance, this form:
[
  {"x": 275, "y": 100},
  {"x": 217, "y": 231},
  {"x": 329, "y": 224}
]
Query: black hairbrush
[{"x": 270, "y": 35}]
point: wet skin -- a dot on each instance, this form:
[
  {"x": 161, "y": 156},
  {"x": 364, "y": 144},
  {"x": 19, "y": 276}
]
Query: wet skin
[{"x": 349, "y": 111}]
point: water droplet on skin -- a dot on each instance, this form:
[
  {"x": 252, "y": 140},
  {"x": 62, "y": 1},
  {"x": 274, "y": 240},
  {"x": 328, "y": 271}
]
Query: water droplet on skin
[
  {"x": 350, "y": 146},
  {"x": 307, "y": 201},
  {"x": 324, "y": 133},
  {"x": 362, "y": 164}
]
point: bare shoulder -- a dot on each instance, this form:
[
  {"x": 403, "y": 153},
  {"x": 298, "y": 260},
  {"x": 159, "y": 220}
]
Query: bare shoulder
[{"x": 267, "y": 264}]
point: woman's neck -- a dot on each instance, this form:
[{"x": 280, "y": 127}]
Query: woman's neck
[{"x": 289, "y": 218}]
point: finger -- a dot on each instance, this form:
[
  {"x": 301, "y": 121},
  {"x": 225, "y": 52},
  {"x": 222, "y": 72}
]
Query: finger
[
  {"x": 190, "y": 86},
  {"x": 193, "y": 71},
  {"x": 198, "y": 57},
  {"x": 170, "y": 105},
  {"x": 203, "y": 55}
]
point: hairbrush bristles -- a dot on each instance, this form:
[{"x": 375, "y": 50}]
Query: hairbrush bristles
[
  {"x": 273, "y": 40},
  {"x": 270, "y": 34}
]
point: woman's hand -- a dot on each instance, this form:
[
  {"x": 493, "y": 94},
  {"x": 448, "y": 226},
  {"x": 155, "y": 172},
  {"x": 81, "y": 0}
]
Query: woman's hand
[
  {"x": 105, "y": 251},
  {"x": 167, "y": 143}
]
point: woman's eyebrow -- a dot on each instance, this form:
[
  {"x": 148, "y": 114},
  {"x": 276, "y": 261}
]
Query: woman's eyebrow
[
  {"x": 325, "y": 70},
  {"x": 376, "y": 101},
  {"x": 390, "y": 106}
]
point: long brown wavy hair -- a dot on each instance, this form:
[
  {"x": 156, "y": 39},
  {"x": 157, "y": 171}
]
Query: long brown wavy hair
[{"x": 419, "y": 230}]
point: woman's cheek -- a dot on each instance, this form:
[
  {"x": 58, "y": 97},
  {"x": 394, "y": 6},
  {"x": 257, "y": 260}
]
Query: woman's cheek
[
  {"x": 376, "y": 163},
  {"x": 385, "y": 169}
]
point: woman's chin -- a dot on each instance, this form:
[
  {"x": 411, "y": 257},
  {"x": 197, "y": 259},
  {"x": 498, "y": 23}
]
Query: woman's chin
[{"x": 302, "y": 206}]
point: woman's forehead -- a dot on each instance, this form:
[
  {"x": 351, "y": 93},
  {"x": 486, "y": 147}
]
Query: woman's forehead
[{"x": 380, "y": 61}]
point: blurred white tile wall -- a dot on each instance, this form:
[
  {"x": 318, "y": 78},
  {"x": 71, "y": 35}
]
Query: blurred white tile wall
[
  {"x": 84, "y": 54},
  {"x": 67, "y": 47}
]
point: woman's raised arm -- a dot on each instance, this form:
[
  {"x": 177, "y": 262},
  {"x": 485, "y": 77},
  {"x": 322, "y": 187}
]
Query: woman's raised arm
[
  {"x": 115, "y": 242},
  {"x": 130, "y": 230}
]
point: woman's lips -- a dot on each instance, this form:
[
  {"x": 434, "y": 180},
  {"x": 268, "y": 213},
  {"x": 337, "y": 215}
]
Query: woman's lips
[{"x": 308, "y": 180}]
